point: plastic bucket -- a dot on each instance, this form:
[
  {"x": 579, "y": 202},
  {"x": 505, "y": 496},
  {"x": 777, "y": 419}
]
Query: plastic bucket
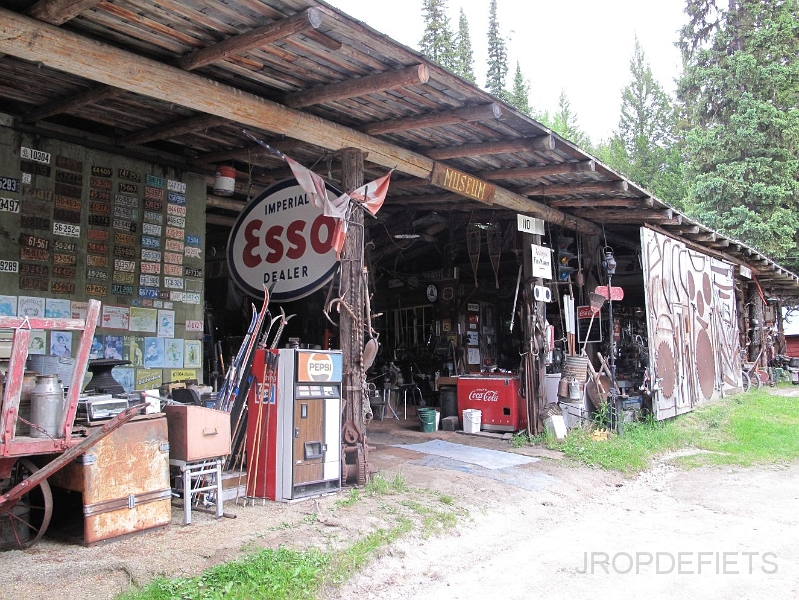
[
  {"x": 225, "y": 180},
  {"x": 471, "y": 420},
  {"x": 428, "y": 418}
]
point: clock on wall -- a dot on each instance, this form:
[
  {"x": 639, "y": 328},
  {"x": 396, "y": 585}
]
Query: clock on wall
[{"x": 432, "y": 293}]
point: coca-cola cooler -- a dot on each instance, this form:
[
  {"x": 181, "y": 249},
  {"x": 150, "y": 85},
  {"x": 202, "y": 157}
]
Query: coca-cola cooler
[{"x": 497, "y": 397}]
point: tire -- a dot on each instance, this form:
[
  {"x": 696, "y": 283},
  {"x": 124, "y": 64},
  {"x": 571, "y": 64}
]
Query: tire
[
  {"x": 757, "y": 381},
  {"x": 746, "y": 382}
]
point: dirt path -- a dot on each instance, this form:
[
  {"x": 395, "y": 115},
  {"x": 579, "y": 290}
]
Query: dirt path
[{"x": 526, "y": 534}]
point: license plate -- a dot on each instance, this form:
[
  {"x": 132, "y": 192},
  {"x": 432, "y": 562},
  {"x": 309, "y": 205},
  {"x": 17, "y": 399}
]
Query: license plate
[
  {"x": 9, "y": 266},
  {"x": 154, "y": 181},
  {"x": 150, "y": 255},
  {"x": 177, "y": 199},
  {"x": 150, "y": 267},
  {"x": 150, "y": 242},
  {"x": 149, "y": 280},
  {"x": 102, "y": 171},
  {"x": 60, "y": 246},
  {"x": 174, "y": 270},
  {"x": 124, "y": 265},
  {"x": 66, "y": 229},
  {"x": 173, "y": 258},
  {"x": 176, "y": 209},
  {"x": 9, "y": 184},
  {"x": 63, "y": 287},
  {"x": 148, "y": 292},
  {"x": 92, "y": 289},
  {"x": 37, "y": 155},
  {"x": 175, "y": 283},
  {"x": 176, "y": 186},
  {"x": 150, "y": 229},
  {"x": 127, "y": 188},
  {"x": 131, "y": 175},
  {"x": 31, "y": 241}
]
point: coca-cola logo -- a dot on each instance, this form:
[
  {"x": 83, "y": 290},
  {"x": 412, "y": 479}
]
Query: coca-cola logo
[{"x": 484, "y": 395}]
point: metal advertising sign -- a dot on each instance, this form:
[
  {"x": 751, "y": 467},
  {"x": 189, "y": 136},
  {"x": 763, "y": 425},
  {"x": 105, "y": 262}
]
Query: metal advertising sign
[{"x": 281, "y": 238}]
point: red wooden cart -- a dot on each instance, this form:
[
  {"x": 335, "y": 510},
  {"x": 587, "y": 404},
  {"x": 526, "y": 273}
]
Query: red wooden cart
[{"x": 26, "y": 502}]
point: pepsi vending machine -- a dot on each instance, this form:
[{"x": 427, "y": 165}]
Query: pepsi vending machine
[{"x": 294, "y": 424}]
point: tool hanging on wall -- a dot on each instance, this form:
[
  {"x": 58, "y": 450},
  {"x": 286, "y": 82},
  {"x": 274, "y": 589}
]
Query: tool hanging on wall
[
  {"x": 473, "y": 243},
  {"x": 494, "y": 242}
]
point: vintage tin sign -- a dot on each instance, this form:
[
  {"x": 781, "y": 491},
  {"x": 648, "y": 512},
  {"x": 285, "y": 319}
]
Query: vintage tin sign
[{"x": 282, "y": 239}]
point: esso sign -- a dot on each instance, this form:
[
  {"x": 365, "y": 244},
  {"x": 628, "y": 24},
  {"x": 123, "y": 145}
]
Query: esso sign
[
  {"x": 484, "y": 395},
  {"x": 281, "y": 239}
]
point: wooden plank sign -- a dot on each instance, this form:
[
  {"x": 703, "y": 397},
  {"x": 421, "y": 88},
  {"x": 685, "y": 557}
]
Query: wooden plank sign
[{"x": 462, "y": 183}]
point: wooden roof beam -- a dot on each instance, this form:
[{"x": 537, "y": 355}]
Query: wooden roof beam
[
  {"x": 259, "y": 37},
  {"x": 171, "y": 130},
  {"x": 65, "y": 105},
  {"x": 58, "y": 12},
  {"x": 544, "y": 143},
  {"x": 635, "y": 216},
  {"x": 361, "y": 86},
  {"x": 73, "y": 53},
  {"x": 586, "y": 166},
  {"x": 594, "y": 187},
  {"x": 287, "y": 146},
  {"x": 467, "y": 114},
  {"x": 601, "y": 203}
]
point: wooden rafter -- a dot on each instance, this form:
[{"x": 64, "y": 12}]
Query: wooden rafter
[
  {"x": 543, "y": 143},
  {"x": 586, "y": 166},
  {"x": 636, "y": 216},
  {"x": 310, "y": 18},
  {"x": 602, "y": 203},
  {"x": 352, "y": 88},
  {"x": 170, "y": 130},
  {"x": 246, "y": 152},
  {"x": 219, "y": 220},
  {"x": 467, "y": 114},
  {"x": 90, "y": 96},
  {"x": 594, "y": 187},
  {"x": 58, "y": 12}
]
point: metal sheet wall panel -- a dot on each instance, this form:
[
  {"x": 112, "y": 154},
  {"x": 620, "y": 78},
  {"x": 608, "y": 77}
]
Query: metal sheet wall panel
[{"x": 692, "y": 325}]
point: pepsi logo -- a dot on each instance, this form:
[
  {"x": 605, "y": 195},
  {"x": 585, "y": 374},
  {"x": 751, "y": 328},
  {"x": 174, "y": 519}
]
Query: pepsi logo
[{"x": 320, "y": 367}]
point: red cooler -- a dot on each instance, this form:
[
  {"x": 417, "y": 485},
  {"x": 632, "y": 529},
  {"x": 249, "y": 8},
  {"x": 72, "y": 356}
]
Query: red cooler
[{"x": 497, "y": 397}]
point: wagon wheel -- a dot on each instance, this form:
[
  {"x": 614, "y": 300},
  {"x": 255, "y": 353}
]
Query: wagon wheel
[{"x": 23, "y": 522}]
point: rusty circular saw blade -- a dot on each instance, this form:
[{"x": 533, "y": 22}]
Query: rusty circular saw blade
[
  {"x": 666, "y": 369},
  {"x": 691, "y": 285},
  {"x": 705, "y": 364},
  {"x": 706, "y": 288},
  {"x": 700, "y": 305}
]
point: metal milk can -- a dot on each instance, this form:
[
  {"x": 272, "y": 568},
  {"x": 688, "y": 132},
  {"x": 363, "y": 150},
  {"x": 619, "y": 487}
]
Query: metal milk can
[{"x": 47, "y": 405}]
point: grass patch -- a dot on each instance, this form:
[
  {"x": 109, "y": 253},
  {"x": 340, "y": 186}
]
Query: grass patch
[
  {"x": 348, "y": 562},
  {"x": 353, "y": 497},
  {"x": 268, "y": 574},
  {"x": 746, "y": 429}
]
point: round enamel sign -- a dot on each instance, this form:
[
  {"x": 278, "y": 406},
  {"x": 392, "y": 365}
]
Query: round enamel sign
[{"x": 282, "y": 239}]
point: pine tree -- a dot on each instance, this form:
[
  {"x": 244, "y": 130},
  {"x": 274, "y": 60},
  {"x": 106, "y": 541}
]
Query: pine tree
[
  {"x": 464, "y": 58},
  {"x": 564, "y": 123},
  {"x": 437, "y": 41},
  {"x": 740, "y": 94},
  {"x": 497, "y": 56},
  {"x": 520, "y": 94},
  {"x": 646, "y": 133}
]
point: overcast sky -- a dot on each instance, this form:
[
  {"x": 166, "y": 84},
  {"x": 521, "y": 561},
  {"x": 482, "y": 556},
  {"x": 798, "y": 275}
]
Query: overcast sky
[{"x": 583, "y": 47}]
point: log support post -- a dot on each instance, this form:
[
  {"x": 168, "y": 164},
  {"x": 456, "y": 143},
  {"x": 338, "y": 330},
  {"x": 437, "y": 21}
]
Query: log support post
[{"x": 356, "y": 409}]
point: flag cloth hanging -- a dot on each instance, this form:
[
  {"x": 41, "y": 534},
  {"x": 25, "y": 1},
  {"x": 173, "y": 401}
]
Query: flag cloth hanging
[{"x": 372, "y": 194}]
